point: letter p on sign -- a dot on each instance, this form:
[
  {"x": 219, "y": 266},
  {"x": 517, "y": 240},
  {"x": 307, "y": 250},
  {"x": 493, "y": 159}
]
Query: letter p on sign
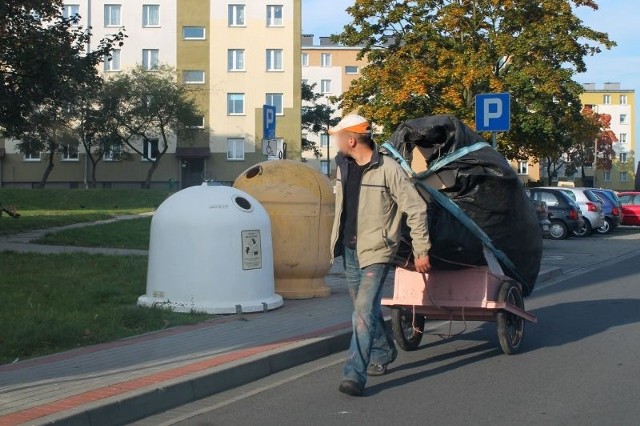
[{"x": 493, "y": 112}]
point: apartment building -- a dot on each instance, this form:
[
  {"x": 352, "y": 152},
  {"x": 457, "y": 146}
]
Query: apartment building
[{"x": 238, "y": 55}]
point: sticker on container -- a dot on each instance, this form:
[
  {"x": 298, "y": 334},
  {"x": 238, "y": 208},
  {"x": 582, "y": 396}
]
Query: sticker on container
[{"x": 251, "y": 250}]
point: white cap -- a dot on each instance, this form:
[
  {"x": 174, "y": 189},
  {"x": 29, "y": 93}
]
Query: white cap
[{"x": 352, "y": 123}]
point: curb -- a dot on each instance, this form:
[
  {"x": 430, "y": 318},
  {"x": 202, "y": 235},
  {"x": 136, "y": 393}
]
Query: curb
[{"x": 157, "y": 398}]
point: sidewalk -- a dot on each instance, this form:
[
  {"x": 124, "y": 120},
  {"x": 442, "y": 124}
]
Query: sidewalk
[{"x": 122, "y": 381}]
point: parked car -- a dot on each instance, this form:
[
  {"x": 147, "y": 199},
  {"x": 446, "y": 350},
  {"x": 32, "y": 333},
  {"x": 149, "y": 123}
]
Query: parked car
[
  {"x": 611, "y": 208},
  {"x": 630, "y": 207},
  {"x": 564, "y": 213},
  {"x": 591, "y": 209},
  {"x": 542, "y": 211}
]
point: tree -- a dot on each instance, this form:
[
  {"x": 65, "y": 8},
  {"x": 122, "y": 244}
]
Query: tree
[
  {"x": 316, "y": 117},
  {"x": 145, "y": 110},
  {"x": 44, "y": 67},
  {"x": 582, "y": 153},
  {"x": 433, "y": 56}
]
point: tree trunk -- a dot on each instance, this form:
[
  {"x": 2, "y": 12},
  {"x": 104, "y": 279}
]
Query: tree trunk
[
  {"x": 150, "y": 172},
  {"x": 94, "y": 181},
  {"x": 549, "y": 172},
  {"x": 47, "y": 171}
]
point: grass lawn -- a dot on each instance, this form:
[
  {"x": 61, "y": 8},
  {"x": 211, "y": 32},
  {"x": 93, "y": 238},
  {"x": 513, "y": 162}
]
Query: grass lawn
[
  {"x": 57, "y": 207},
  {"x": 130, "y": 234},
  {"x": 52, "y": 303}
]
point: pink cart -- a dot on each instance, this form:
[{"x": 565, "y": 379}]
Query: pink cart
[{"x": 472, "y": 294}]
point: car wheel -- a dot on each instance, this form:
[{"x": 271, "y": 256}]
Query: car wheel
[
  {"x": 558, "y": 230},
  {"x": 584, "y": 231},
  {"x": 606, "y": 228}
]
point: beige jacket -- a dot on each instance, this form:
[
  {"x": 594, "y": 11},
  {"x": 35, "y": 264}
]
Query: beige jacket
[{"x": 385, "y": 193}]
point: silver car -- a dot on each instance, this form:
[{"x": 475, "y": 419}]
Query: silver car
[{"x": 591, "y": 208}]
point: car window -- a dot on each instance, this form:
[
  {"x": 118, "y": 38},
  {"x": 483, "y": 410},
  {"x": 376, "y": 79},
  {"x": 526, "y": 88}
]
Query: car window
[
  {"x": 625, "y": 199},
  {"x": 549, "y": 198},
  {"x": 601, "y": 197},
  {"x": 570, "y": 194},
  {"x": 636, "y": 200},
  {"x": 592, "y": 197}
]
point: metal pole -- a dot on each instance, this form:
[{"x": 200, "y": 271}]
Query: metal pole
[
  {"x": 86, "y": 154},
  {"x": 328, "y": 156}
]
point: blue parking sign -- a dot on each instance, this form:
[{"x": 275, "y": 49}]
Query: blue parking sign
[
  {"x": 269, "y": 121},
  {"x": 493, "y": 112}
]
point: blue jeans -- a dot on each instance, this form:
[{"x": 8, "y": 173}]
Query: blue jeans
[{"x": 371, "y": 341}]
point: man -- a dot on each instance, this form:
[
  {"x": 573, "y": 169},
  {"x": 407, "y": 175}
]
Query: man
[{"x": 372, "y": 193}]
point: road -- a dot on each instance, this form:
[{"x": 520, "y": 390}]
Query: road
[{"x": 579, "y": 365}]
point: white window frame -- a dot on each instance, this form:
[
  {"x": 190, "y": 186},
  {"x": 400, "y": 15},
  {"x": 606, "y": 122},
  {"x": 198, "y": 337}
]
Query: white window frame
[
  {"x": 197, "y": 126},
  {"x": 192, "y": 73},
  {"x": 325, "y": 59},
  {"x": 623, "y": 99},
  {"x": 324, "y": 140},
  {"x": 69, "y": 154},
  {"x": 32, "y": 157},
  {"x": 272, "y": 60},
  {"x": 623, "y": 157},
  {"x": 606, "y": 99},
  {"x": 147, "y": 58},
  {"x": 623, "y": 138},
  {"x": 272, "y": 21},
  {"x": 146, "y": 8},
  {"x": 304, "y": 59},
  {"x": 187, "y": 27},
  {"x": 233, "y": 56},
  {"x": 145, "y": 148},
  {"x": 269, "y": 97},
  {"x": 108, "y": 22},
  {"x": 623, "y": 119},
  {"x": 234, "y": 145},
  {"x": 68, "y": 12},
  {"x": 113, "y": 65},
  {"x": 114, "y": 153},
  {"x": 606, "y": 176},
  {"x": 346, "y": 69},
  {"x": 229, "y": 100},
  {"x": 324, "y": 166},
  {"x": 523, "y": 168},
  {"x": 232, "y": 15},
  {"x": 624, "y": 177},
  {"x": 325, "y": 86}
]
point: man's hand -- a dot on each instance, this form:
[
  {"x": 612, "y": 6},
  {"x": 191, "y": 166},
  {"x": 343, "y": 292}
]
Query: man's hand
[{"x": 422, "y": 264}]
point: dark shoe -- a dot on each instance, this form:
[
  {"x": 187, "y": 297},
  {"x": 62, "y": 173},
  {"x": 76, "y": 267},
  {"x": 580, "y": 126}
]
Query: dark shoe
[
  {"x": 351, "y": 387},
  {"x": 380, "y": 369}
]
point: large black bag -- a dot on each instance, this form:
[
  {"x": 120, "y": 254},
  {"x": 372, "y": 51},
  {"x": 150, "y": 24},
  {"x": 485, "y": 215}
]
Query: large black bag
[{"x": 485, "y": 187}]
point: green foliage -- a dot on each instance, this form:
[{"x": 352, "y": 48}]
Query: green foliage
[
  {"x": 317, "y": 117},
  {"x": 433, "y": 56}
]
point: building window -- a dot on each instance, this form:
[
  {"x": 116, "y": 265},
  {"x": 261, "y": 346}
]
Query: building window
[
  {"x": 623, "y": 138},
  {"x": 623, "y": 177},
  {"x": 606, "y": 99},
  {"x": 236, "y": 15},
  {"x": 150, "y": 59},
  {"x": 193, "y": 33},
  {"x": 274, "y": 16},
  {"x": 112, "y": 15},
  {"x": 235, "y": 103},
  {"x": 623, "y": 119},
  {"x": 112, "y": 153},
  {"x": 325, "y": 59},
  {"x": 304, "y": 59},
  {"x": 623, "y": 99},
  {"x": 275, "y": 99},
  {"x": 69, "y": 153},
  {"x": 235, "y": 60},
  {"x": 151, "y": 15},
  {"x": 193, "y": 77},
  {"x": 351, "y": 69},
  {"x": 197, "y": 123},
  {"x": 274, "y": 59},
  {"x": 523, "y": 168},
  {"x": 623, "y": 157},
  {"x": 31, "y": 156},
  {"x": 305, "y": 81},
  {"x": 235, "y": 149},
  {"x": 606, "y": 176},
  {"x": 324, "y": 140},
  {"x": 324, "y": 167},
  {"x": 70, "y": 11},
  {"x": 113, "y": 63},
  {"x": 150, "y": 150},
  {"x": 325, "y": 86}
]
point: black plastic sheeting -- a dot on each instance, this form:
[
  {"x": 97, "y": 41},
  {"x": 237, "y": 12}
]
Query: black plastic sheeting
[{"x": 485, "y": 187}]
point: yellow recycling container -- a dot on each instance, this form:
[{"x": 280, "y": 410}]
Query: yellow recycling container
[{"x": 300, "y": 203}]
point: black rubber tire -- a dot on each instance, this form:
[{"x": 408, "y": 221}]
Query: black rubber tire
[
  {"x": 558, "y": 224},
  {"x": 510, "y": 326},
  {"x": 606, "y": 228},
  {"x": 585, "y": 231},
  {"x": 402, "y": 327}
]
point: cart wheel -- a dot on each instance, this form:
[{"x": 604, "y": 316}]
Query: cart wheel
[
  {"x": 510, "y": 326},
  {"x": 403, "y": 329}
]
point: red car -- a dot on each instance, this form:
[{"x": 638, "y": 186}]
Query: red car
[{"x": 630, "y": 207}]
